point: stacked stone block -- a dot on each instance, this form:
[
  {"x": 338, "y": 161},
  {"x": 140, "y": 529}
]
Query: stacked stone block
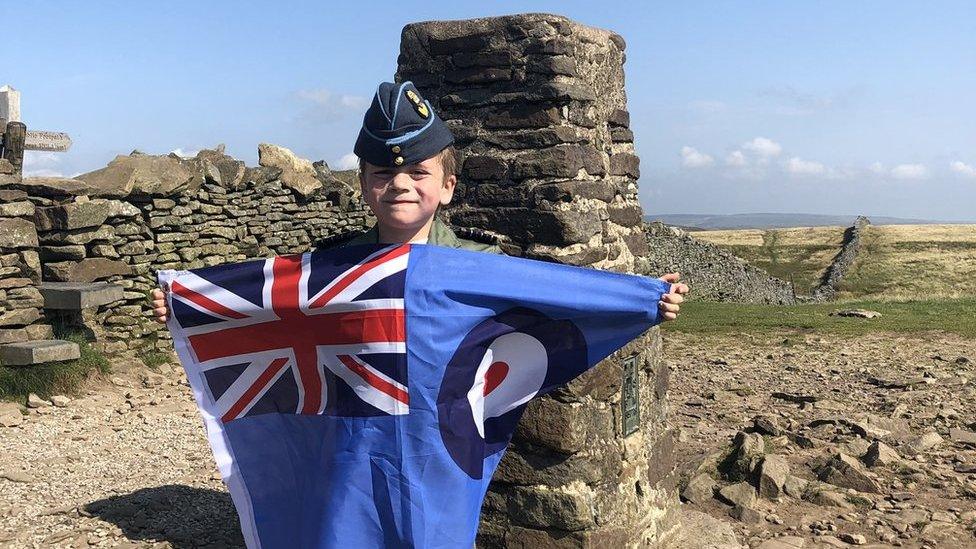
[
  {"x": 20, "y": 271},
  {"x": 538, "y": 108},
  {"x": 229, "y": 213}
]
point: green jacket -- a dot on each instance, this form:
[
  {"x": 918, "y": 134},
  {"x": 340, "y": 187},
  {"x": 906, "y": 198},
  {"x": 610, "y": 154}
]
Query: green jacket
[{"x": 440, "y": 235}]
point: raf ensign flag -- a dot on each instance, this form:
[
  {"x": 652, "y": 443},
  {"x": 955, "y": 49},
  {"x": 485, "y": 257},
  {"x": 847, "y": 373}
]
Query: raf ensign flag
[{"x": 363, "y": 397}]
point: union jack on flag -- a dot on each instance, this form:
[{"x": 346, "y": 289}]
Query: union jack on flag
[
  {"x": 297, "y": 340},
  {"x": 299, "y": 365}
]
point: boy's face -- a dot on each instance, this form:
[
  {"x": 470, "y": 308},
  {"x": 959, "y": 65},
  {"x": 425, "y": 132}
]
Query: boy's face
[{"x": 405, "y": 198}]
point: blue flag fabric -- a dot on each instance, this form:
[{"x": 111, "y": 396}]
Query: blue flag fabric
[{"x": 363, "y": 397}]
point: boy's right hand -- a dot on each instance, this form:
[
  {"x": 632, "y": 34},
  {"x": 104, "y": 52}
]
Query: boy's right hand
[{"x": 160, "y": 311}]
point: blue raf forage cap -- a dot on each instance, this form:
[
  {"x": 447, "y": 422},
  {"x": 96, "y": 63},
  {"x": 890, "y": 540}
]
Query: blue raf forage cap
[{"x": 400, "y": 127}]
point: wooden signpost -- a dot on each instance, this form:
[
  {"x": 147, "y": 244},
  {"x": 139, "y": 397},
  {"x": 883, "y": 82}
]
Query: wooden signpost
[{"x": 16, "y": 137}]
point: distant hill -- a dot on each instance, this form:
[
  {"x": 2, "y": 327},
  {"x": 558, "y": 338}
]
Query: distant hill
[{"x": 773, "y": 220}]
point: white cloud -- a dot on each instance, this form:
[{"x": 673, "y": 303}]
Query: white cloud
[
  {"x": 736, "y": 159},
  {"x": 324, "y": 106},
  {"x": 763, "y": 147},
  {"x": 877, "y": 168},
  {"x": 962, "y": 168},
  {"x": 42, "y": 164},
  {"x": 347, "y": 162},
  {"x": 910, "y": 171},
  {"x": 187, "y": 153},
  {"x": 691, "y": 158},
  {"x": 798, "y": 166}
]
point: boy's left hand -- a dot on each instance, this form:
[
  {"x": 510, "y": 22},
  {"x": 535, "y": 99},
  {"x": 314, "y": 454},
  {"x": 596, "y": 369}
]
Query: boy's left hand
[{"x": 669, "y": 304}]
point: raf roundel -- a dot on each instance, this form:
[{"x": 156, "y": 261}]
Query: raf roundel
[{"x": 502, "y": 364}]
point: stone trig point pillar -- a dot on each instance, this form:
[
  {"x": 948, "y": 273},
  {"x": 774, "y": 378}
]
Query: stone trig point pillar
[{"x": 538, "y": 107}]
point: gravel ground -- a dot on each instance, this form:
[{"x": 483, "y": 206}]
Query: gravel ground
[{"x": 128, "y": 465}]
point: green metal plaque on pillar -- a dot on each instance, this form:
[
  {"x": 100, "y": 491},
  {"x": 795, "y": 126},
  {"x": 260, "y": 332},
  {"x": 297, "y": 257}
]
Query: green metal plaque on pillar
[{"x": 630, "y": 397}]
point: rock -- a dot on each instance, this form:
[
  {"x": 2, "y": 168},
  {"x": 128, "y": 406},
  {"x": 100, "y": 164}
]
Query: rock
[
  {"x": 86, "y": 270},
  {"x": 297, "y": 173},
  {"x": 58, "y": 187},
  {"x": 853, "y": 539},
  {"x": 38, "y": 352},
  {"x": 832, "y": 541},
  {"x": 60, "y": 401},
  {"x": 34, "y": 401},
  {"x": 700, "y": 489},
  {"x": 76, "y": 215},
  {"x": 962, "y": 436},
  {"x": 773, "y": 472},
  {"x": 766, "y": 425},
  {"x": 17, "y": 209},
  {"x": 880, "y": 454},
  {"x": 923, "y": 443},
  {"x": 784, "y": 542},
  {"x": 795, "y": 486},
  {"x": 828, "y": 498},
  {"x": 10, "y": 415},
  {"x": 856, "y": 313},
  {"x": 17, "y": 233},
  {"x": 19, "y": 317},
  {"x": 17, "y": 476},
  {"x": 741, "y": 493},
  {"x": 746, "y": 515},
  {"x": 846, "y": 472},
  {"x": 142, "y": 175},
  {"x": 747, "y": 453}
]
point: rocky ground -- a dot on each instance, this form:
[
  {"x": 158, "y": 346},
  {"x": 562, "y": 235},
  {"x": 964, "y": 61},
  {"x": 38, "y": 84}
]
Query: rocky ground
[
  {"x": 811, "y": 441},
  {"x": 865, "y": 442}
]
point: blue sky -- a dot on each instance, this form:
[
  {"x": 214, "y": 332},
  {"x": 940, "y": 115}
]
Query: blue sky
[{"x": 819, "y": 107}]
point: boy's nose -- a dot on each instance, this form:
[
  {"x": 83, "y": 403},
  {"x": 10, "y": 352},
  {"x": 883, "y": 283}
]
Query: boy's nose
[{"x": 401, "y": 182}]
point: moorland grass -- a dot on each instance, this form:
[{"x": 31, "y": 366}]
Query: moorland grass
[{"x": 951, "y": 315}]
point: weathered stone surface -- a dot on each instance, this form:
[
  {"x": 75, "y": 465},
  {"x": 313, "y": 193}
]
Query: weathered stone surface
[
  {"x": 20, "y": 317},
  {"x": 700, "y": 489},
  {"x": 522, "y": 117},
  {"x": 784, "y": 542},
  {"x": 16, "y": 209},
  {"x": 74, "y": 296},
  {"x": 142, "y": 175},
  {"x": 10, "y": 415},
  {"x": 86, "y": 270},
  {"x": 566, "y": 191},
  {"x": 13, "y": 335},
  {"x": 746, "y": 515},
  {"x": 923, "y": 443},
  {"x": 484, "y": 167},
  {"x": 62, "y": 253},
  {"x": 567, "y": 508},
  {"x": 748, "y": 450},
  {"x": 625, "y": 164},
  {"x": 773, "y": 471},
  {"x": 560, "y": 161},
  {"x": 77, "y": 215},
  {"x": 57, "y": 187},
  {"x": 38, "y": 352},
  {"x": 962, "y": 436},
  {"x": 546, "y": 227},
  {"x": 17, "y": 233},
  {"x": 739, "y": 494},
  {"x": 847, "y": 472},
  {"x": 79, "y": 236},
  {"x": 880, "y": 454},
  {"x": 297, "y": 173},
  {"x": 39, "y": 331}
]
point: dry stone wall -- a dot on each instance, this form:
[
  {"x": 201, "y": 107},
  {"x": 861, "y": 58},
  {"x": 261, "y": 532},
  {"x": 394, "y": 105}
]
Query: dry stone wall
[
  {"x": 539, "y": 111},
  {"x": 21, "y": 316},
  {"x": 842, "y": 261},
  {"x": 715, "y": 274},
  {"x": 144, "y": 213}
]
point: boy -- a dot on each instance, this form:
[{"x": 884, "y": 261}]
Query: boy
[{"x": 407, "y": 171}]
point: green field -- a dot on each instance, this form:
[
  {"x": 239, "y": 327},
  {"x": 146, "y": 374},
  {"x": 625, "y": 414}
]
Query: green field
[
  {"x": 896, "y": 262},
  {"x": 949, "y": 315}
]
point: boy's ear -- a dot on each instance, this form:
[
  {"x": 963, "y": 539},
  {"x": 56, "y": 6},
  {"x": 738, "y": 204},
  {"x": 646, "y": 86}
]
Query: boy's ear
[{"x": 447, "y": 189}]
